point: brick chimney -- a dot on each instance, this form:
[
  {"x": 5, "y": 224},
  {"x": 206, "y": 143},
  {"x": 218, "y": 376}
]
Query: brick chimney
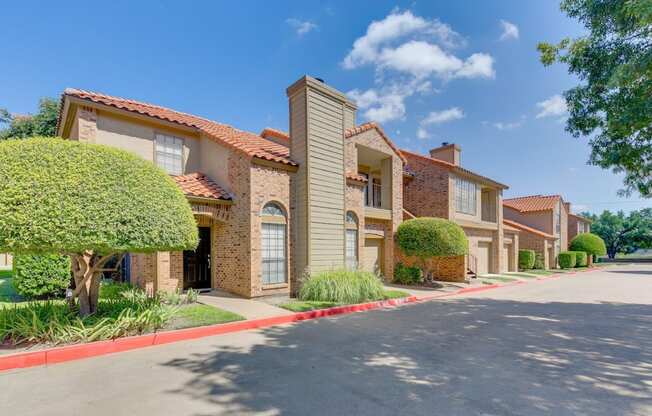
[
  {"x": 448, "y": 152},
  {"x": 319, "y": 114}
]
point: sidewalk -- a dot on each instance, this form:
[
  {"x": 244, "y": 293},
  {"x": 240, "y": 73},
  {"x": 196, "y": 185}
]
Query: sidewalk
[{"x": 249, "y": 308}]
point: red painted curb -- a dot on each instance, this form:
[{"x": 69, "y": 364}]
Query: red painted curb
[
  {"x": 80, "y": 351},
  {"x": 93, "y": 349}
]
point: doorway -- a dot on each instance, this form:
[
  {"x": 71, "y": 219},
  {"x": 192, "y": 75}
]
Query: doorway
[{"x": 197, "y": 263}]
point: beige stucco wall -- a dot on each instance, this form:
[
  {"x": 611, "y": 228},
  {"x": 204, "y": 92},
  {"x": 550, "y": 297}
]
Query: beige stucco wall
[{"x": 541, "y": 220}]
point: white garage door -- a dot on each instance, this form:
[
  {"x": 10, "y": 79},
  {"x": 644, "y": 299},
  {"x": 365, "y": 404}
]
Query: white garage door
[
  {"x": 484, "y": 257},
  {"x": 372, "y": 255}
]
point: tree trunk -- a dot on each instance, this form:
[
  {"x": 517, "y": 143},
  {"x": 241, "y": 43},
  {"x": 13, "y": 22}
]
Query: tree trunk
[
  {"x": 87, "y": 272},
  {"x": 94, "y": 291}
]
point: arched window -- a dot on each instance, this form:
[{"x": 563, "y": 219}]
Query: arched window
[
  {"x": 351, "y": 241},
  {"x": 274, "y": 244}
]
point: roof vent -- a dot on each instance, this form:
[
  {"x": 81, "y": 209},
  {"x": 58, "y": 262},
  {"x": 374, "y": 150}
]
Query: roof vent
[
  {"x": 444, "y": 143},
  {"x": 320, "y": 80}
]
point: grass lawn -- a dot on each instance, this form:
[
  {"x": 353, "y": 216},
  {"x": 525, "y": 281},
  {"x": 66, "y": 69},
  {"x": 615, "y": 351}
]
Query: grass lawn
[
  {"x": 542, "y": 272},
  {"x": 490, "y": 280},
  {"x": 308, "y": 305},
  {"x": 196, "y": 314},
  {"x": 523, "y": 275}
]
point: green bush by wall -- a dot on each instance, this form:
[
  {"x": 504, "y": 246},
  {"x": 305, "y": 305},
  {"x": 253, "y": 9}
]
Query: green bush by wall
[
  {"x": 539, "y": 261},
  {"x": 567, "y": 259},
  {"x": 41, "y": 276},
  {"x": 581, "y": 259},
  {"x": 406, "y": 275},
  {"x": 589, "y": 243},
  {"x": 526, "y": 259},
  {"x": 431, "y": 237}
]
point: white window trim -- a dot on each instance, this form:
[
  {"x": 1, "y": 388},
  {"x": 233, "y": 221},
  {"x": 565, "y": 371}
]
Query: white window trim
[{"x": 183, "y": 151}]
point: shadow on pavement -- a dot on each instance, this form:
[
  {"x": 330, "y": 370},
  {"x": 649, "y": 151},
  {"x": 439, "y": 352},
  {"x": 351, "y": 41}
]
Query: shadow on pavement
[{"x": 459, "y": 357}]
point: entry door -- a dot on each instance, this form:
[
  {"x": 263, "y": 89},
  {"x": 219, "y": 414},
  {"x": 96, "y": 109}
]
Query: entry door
[
  {"x": 372, "y": 258},
  {"x": 197, "y": 263},
  {"x": 484, "y": 257}
]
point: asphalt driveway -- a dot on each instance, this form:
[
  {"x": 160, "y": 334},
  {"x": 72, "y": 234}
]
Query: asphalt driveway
[{"x": 570, "y": 346}]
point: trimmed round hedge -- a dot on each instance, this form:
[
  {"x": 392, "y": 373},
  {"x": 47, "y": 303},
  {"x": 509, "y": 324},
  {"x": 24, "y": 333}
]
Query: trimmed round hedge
[
  {"x": 526, "y": 259},
  {"x": 64, "y": 196},
  {"x": 581, "y": 259},
  {"x": 589, "y": 243},
  {"x": 431, "y": 237},
  {"x": 567, "y": 259},
  {"x": 41, "y": 276}
]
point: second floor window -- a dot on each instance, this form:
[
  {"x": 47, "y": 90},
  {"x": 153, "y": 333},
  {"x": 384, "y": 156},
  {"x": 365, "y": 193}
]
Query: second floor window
[
  {"x": 466, "y": 197},
  {"x": 169, "y": 154}
]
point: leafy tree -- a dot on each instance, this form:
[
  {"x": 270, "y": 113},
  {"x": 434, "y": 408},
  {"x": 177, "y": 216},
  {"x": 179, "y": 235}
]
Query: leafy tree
[
  {"x": 43, "y": 123},
  {"x": 89, "y": 202},
  {"x": 425, "y": 238},
  {"x": 623, "y": 233},
  {"x": 613, "y": 103}
]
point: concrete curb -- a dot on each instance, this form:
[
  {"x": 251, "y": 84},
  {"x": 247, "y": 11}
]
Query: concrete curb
[{"x": 66, "y": 353}]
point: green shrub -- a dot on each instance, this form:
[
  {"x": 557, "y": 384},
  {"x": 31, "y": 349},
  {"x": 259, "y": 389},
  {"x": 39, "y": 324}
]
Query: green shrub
[
  {"x": 431, "y": 237},
  {"x": 179, "y": 298},
  {"x": 567, "y": 259},
  {"x": 53, "y": 322},
  {"x": 114, "y": 290},
  {"x": 539, "y": 261},
  {"x": 526, "y": 259},
  {"x": 589, "y": 243},
  {"x": 41, "y": 276},
  {"x": 581, "y": 259},
  {"x": 342, "y": 286},
  {"x": 407, "y": 275}
]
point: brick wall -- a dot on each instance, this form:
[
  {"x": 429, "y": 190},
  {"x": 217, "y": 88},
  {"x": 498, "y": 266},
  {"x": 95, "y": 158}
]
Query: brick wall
[
  {"x": 426, "y": 195},
  {"x": 268, "y": 185},
  {"x": 447, "y": 269}
]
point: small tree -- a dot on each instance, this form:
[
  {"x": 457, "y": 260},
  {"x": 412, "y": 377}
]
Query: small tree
[
  {"x": 89, "y": 202},
  {"x": 425, "y": 238},
  {"x": 589, "y": 243}
]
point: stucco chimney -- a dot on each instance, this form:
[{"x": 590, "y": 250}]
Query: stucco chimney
[
  {"x": 568, "y": 206},
  {"x": 448, "y": 152},
  {"x": 318, "y": 116}
]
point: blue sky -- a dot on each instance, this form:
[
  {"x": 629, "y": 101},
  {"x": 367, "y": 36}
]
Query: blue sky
[{"x": 464, "y": 72}]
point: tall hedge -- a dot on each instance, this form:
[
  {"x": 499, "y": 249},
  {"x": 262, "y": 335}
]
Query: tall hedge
[
  {"x": 567, "y": 259},
  {"x": 41, "y": 276},
  {"x": 431, "y": 237},
  {"x": 539, "y": 261},
  {"x": 526, "y": 259},
  {"x": 589, "y": 243}
]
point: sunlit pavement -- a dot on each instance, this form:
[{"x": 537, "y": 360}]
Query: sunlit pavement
[{"x": 575, "y": 345}]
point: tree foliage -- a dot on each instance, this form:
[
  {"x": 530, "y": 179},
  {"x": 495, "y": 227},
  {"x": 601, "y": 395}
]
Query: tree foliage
[
  {"x": 41, "y": 276},
  {"x": 88, "y": 201},
  {"x": 623, "y": 233},
  {"x": 43, "y": 123},
  {"x": 588, "y": 243},
  {"x": 431, "y": 237},
  {"x": 613, "y": 103}
]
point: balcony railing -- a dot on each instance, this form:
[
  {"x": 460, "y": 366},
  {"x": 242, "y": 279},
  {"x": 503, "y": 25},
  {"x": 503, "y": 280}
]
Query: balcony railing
[{"x": 374, "y": 195}]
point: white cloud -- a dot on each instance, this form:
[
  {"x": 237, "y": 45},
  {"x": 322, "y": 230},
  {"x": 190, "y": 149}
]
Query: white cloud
[
  {"x": 301, "y": 26},
  {"x": 508, "y": 125},
  {"x": 388, "y": 102},
  {"x": 422, "y": 133},
  {"x": 394, "y": 27},
  {"x": 510, "y": 30},
  {"x": 552, "y": 107},
  {"x": 438, "y": 117},
  {"x": 580, "y": 208}
]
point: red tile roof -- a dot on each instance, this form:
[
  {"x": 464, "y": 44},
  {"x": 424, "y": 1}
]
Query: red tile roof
[
  {"x": 279, "y": 134},
  {"x": 249, "y": 143},
  {"x": 199, "y": 185},
  {"x": 531, "y": 230},
  {"x": 356, "y": 177},
  {"x": 370, "y": 126},
  {"x": 533, "y": 203},
  {"x": 451, "y": 167},
  {"x": 580, "y": 217}
]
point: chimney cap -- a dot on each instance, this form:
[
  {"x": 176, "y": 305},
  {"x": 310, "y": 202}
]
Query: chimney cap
[
  {"x": 320, "y": 80},
  {"x": 445, "y": 143}
]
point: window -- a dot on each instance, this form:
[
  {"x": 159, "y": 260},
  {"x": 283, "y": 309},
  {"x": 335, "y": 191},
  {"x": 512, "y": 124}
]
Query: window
[
  {"x": 465, "y": 196},
  {"x": 274, "y": 238},
  {"x": 169, "y": 154},
  {"x": 351, "y": 241}
]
